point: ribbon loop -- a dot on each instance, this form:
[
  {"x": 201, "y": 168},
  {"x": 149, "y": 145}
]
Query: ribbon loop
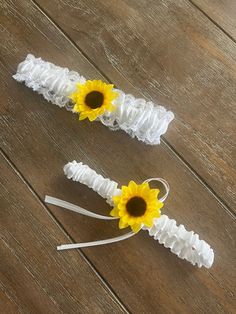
[{"x": 165, "y": 184}]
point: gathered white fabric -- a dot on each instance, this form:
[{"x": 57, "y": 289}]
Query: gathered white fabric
[
  {"x": 135, "y": 116},
  {"x": 51, "y": 81},
  {"x": 79, "y": 172},
  {"x": 185, "y": 244}
]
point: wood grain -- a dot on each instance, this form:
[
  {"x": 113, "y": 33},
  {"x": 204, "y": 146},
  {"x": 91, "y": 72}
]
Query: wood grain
[
  {"x": 221, "y": 12},
  {"x": 40, "y": 138},
  {"x": 171, "y": 53},
  {"x": 35, "y": 278}
]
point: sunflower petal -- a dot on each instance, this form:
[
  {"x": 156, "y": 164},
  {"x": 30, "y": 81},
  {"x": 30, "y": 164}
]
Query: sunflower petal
[
  {"x": 136, "y": 227},
  {"x": 132, "y": 186},
  {"x": 124, "y": 189},
  {"x": 148, "y": 222},
  {"x": 154, "y": 192},
  {"x": 125, "y": 218},
  {"x": 123, "y": 224},
  {"x": 82, "y": 116},
  {"x": 156, "y": 214},
  {"x": 116, "y": 199},
  {"x": 76, "y": 108},
  {"x": 114, "y": 212},
  {"x": 91, "y": 116}
]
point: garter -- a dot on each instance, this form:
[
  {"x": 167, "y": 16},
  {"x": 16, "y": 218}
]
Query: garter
[
  {"x": 95, "y": 100},
  {"x": 138, "y": 207}
]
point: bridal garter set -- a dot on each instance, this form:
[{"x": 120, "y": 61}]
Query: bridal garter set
[{"x": 136, "y": 206}]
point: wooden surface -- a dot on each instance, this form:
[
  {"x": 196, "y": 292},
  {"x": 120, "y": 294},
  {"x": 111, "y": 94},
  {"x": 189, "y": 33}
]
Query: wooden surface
[
  {"x": 222, "y": 13},
  {"x": 172, "y": 52}
]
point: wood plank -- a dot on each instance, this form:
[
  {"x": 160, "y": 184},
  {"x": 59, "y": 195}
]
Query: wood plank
[
  {"x": 34, "y": 277},
  {"x": 40, "y": 138},
  {"x": 7, "y": 303},
  {"x": 221, "y": 12},
  {"x": 171, "y": 53}
]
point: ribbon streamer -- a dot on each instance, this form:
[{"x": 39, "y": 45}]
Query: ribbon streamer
[
  {"x": 75, "y": 208},
  {"x": 94, "y": 243}
]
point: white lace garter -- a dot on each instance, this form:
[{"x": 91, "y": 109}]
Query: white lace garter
[
  {"x": 135, "y": 116},
  {"x": 185, "y": 244}
]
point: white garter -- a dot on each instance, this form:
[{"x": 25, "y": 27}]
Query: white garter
[
  {"x": 185, "y": 244},
  {"x": 135, "y": 116}
]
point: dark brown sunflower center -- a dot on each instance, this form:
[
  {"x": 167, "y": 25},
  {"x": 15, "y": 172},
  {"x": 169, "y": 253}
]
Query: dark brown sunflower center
[
  {"x": 94, "y": 99},
  {"x": 136, "y": 206}
]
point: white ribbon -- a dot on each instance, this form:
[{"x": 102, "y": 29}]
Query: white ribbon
[
  {"x": 94, "y": 243},
  {"x": 75, "y": 208}
]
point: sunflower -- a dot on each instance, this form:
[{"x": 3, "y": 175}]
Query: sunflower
[
  {"x": 136, "y": 206},
  {"x": 93, "y": 98}
]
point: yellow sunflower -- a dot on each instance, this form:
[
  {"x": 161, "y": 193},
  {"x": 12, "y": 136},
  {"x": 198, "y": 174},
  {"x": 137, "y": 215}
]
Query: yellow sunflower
[
  {"x": 93, "y": 98},
  {"x": 136, "y": 206}
]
